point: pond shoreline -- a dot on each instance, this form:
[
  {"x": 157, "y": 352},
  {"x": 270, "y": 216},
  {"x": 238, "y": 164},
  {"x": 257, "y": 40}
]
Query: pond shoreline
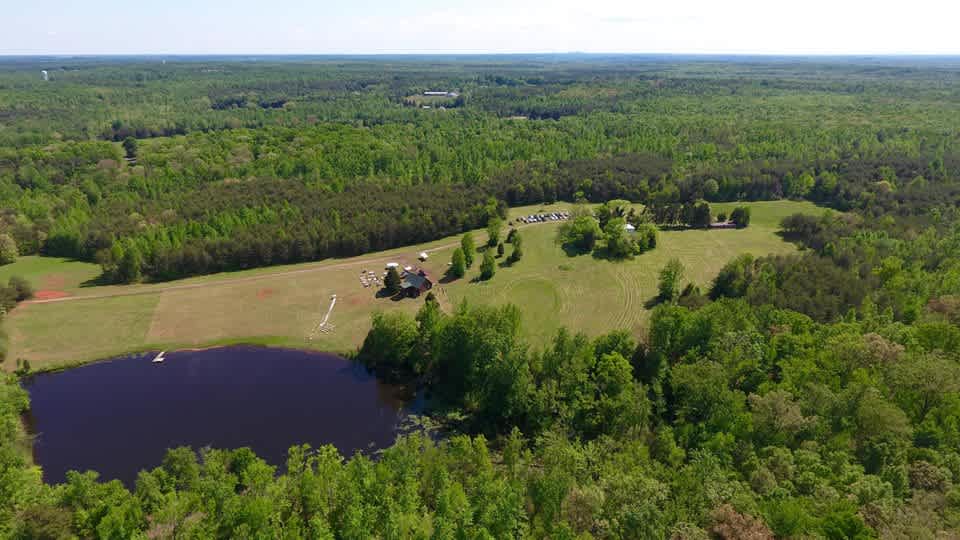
[
  {"x": 264, "y": 343},
  {"x": 121, "y": 414}
]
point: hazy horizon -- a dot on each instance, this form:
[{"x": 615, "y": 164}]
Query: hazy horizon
[
  {"x": 378, "y": 27},
  {"x": 599, "y": 54}
]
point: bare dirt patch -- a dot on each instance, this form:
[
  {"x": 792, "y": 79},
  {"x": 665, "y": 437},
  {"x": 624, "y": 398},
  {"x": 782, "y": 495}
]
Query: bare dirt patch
[
  {"x": 47, "y": 294},
  {"x": 264, "y": 293}
]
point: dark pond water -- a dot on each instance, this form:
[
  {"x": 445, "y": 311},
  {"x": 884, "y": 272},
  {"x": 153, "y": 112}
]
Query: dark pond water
[{"x": 118, "y": 417}]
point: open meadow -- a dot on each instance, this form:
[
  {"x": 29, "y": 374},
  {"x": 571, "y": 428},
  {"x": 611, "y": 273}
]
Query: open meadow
[{"x": 283, "y": 305}]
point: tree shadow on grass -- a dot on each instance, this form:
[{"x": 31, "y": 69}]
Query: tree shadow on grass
[
  {"x": 603, "y": 254},
  {"x": 448, "y": 278},
  {"x": 384, "y": 293},
  {"x": 573, "y": 251},
  {"x": 98, "y": 281},
  {"x": 794, "y": 238},
  {"x": 508, "y": 262},
  {"x": 653, "y": 302}
]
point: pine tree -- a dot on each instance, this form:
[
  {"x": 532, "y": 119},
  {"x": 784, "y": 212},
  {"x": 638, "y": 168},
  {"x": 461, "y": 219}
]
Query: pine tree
[
  {"x": 494, "y": 226},
  {"x": 392, "y": 282},
  {"x": 458, "y": 265},
  {"x": 488, "y": 266},
  {"x": 517, "y": 249},
  {"x": 469, "y": 249}
]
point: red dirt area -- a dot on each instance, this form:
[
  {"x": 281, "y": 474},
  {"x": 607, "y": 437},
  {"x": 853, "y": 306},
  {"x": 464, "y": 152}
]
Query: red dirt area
[
  {"x": 264, "y": 293},
  {"x": 49, "y": 295}
]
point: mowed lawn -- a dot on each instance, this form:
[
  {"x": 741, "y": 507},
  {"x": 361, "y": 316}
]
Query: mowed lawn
[
  {"x": 282, "y": 305},
  {"x": 51, "y": 273}
]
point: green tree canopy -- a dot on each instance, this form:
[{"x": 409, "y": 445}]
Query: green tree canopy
[
  {"x": 620, "y": 244},
  {"x": 580, "y": 234},
  {"x": 458, "y": 263},
  {"x": 469, "y": 248},
  {"x": 671, "y": 281},
  {"x": 391, "y": 283},
  {"x": 8, "y": 249},
  {"x": 741, "y": 216},
  {"x": 488, "y": 266},
  {"x": 494, "y": 229}
]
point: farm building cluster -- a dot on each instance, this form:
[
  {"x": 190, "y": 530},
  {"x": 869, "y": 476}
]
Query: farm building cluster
[{"x": 413, "y": 281}]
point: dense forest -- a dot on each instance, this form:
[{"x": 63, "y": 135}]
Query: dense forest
[
  {"x": 202, "y": 165},
  {"x": 815, "y": 395}
]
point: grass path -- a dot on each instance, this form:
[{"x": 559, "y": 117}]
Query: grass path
[{"x": 226, "y": 281}]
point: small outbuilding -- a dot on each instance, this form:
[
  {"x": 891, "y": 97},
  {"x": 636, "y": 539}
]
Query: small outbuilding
[
  {"x": 629, "y": 228},
  {"x": 423, "y": 256}
]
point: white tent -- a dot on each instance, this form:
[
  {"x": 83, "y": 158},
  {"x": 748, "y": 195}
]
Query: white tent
[
  {"x": 423, "y": 256},
  {"x": 392, "y": 265}
]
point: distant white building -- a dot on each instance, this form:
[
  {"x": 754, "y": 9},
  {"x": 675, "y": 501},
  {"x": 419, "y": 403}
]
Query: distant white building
[
  {"x": 435, "y": 93},
  {"x": 629, "y": 228},
  {"x": 45, "y": 75}
]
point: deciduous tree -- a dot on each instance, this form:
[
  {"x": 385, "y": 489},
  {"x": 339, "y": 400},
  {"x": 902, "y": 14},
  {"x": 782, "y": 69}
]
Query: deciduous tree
[
  {"x": 8, "y": 249},
  {"x": 671, "y": 281}
]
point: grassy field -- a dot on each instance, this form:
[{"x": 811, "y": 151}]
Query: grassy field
[
  {"x": 281, "y": 305},
  {"x": 50, "y": 273}
]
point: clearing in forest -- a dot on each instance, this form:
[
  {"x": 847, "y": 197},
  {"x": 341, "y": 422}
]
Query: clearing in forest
[{"x": 551, "y": 288}]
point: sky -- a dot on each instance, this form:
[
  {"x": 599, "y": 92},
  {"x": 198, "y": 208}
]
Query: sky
[{"x": 479, "y": 26}]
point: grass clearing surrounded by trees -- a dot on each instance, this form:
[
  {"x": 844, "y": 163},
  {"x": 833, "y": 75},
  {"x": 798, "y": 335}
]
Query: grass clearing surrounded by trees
[
  {"x": 282, "y": 305},
  {"x": 51, "y": 273}
]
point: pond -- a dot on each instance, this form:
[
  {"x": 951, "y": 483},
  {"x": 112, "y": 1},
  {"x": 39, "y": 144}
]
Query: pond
[{"x": 120, "y": 416}]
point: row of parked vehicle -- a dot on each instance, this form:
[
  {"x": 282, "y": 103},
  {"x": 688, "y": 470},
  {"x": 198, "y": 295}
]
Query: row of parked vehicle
[{"x": 539, "y": 218}]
